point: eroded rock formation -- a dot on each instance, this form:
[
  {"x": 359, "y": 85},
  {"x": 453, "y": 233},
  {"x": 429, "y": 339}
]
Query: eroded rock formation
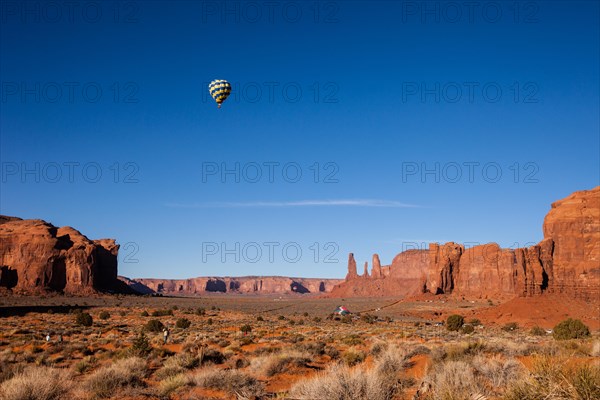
[
  {"x": 567, "y": 260},
  {"x": 36, "y": 256}
]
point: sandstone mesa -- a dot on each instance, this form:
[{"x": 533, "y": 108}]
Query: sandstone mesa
[{"x": 566, "y": 261}]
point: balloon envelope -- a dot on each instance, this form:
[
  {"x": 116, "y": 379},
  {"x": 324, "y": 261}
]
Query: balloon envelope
[{"x": 219, "y": 89}]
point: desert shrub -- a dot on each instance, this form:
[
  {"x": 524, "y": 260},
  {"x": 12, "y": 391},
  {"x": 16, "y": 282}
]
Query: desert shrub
[
  {"x": 85, "y": 365},
  {"x": 586, "y": 382},
  {"x": 315, "y": 349},
  {"x": 260, "y": 318},
  {"x": 553, "y": 378},
  {"x": 162, "y": 313},
  {"x": 245, "y": 329},
  {"x": 213, "y": 356},
  {"x": 454, "y": 380},
  {"x": 37, "y": 383},
  {"x": 467, "y": 329},
  {"x": 343, "y": 383},
  {"x": 369, "y": 319},
  {"x": 224, "y": 343},
  {"x": 231, "y": 381},
  {"x": 317, "y": 319},
  {"x": 171, "y": 384},
  {"x": 145, "y": 313},
  {"x": 104, "y": 382},
  {"x": 346, "y": 319},
  {"x": 497, "y": 370},
  {"x": 200, "y": 311},
  {"x": 241, "y": 363},
  {"x": 122, "y": 313},
  {"x": 537, "y": 331},
  {"x": 273, "y": 364},
  {"x": 183, "y": 323},
  {"x": 352, "y": 357},
  {"x": 391, "y": 361},
  {"x": 209, "y": 321},
  {"x": 378, "y": 347},
  {"x": 154, "y": 325},
  {"x": 510, "y": 327},
  {"x": 332, "y": 352},
  {"x": 141, "y": 346},
  {"x": 245, "y": 341},
  {"x": 281, "y": 318},
  {"x": 475, "y": 322},
  {"x": 353, "y": 340},
  {"x": 570, "y": 329},
  {"x": 83, "y": 319},
  {"x": 104, "y": 315},
  {"x": 176, "y": 365},
  {"x": 454, "y": 322}
]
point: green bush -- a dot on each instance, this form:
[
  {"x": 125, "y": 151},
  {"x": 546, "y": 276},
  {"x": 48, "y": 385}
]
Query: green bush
[
  {"x": 246, "y": 329},
  {"x": 104, "y": 315},
  {"x": 467, "y": 329},
  {"x": 154, "y": 325},
  {"x": 141, "y": 346},
  {"x": 454, "y": 322},
  {"x": 183, "y": 323},
  {"x": 570, "y": 329},
  {"x": 537, "y": 331},
  {"x": 83, "y": 319},
  {"x": 351, "y": 357}
]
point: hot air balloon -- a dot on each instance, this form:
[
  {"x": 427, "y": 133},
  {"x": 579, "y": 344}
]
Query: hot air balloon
[{"x": 219, "y": 89}]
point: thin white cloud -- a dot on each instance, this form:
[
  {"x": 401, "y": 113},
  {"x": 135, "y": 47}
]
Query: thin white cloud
[
  {"x": 298, "y": 203},
  {"x": 402, "y": 241}
]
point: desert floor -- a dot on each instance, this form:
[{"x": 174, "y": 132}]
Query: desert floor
[{"x": 246, "y": 347}]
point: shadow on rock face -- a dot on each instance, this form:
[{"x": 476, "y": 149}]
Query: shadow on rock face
[{"x": 298, "y": 288}]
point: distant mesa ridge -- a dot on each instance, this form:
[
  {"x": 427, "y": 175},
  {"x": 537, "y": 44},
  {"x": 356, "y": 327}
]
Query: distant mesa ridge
[
  {"x": 243, "y": 284},
  {"x": 567, "y": 261}
]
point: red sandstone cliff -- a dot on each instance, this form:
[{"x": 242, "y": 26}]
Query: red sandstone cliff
[
  {"x": 567, "y": 260},
  {"x": 37, "y": 256}
]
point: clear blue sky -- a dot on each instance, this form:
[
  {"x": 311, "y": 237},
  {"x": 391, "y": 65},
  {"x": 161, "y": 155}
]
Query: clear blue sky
[{"x": 387, "y": 89}]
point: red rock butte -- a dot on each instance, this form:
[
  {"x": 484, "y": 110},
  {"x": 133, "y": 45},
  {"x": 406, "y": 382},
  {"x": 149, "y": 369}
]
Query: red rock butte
[
  {"x": 566, "y": 261},
  {"x": 36, "y": 256}
]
